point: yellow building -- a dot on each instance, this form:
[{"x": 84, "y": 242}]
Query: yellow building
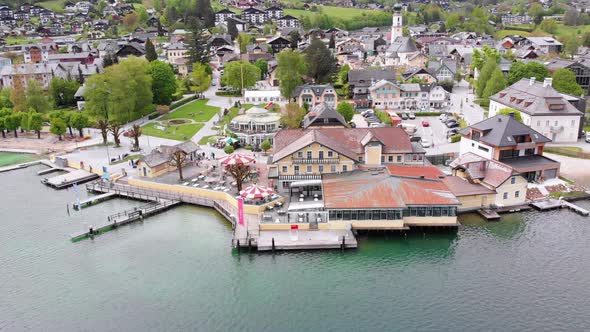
[
  {"x": 157, "y": 162},
  {"x": 307, "y": 154}
]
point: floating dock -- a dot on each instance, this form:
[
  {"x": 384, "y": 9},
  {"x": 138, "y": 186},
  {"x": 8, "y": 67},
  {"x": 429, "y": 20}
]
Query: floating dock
[
  {"x": 93, "y": 200},
  {"x": 489, "y": 214},
  {"x": 69, "y": 179},
  {"x": 550, "y": 204},
  {"x": 305, "y": 240}
]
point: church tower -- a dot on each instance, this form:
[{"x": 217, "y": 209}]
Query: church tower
[{"x": 396, "y": 25}]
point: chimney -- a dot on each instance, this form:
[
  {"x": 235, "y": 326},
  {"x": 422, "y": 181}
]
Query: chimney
[
  {"x": 532, "y": 80},
  {"x": 548, "y": 82}
]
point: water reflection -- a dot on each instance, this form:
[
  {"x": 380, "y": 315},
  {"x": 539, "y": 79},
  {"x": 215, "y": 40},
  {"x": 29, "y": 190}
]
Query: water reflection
[{"x": 510, "y": 226}]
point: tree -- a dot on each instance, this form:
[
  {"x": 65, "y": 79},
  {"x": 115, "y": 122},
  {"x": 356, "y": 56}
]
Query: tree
[
  {"x": 292, "y": 115},
  {"x": 564, "y": 80},
  {"x": 484, "y": 76},
  {"x": 12, "y": 122},
  {"x": 345, "y": 109},
  {"x": 163, "y": 82},
  {"x": 228, "y": 149},
  {"x": 130, "y": 20},
  {"x": 536, "y": 12},
  {"x": 17, "y": 95},
  {"x": 343, "y": 74},
  {"x": 239, "y": 172},
  {"x": 263, "y": 66},
  {"x": 142, "y": 14},
  {"x": 129, "y": 90},
  {"x": 507, "y": 111},
  {"x": 198, "y": 45},
  {"x": 240, "y": 75},
  {"x": 35, "y": 98},
  {"x": 150, "y": 51},
  {"x": 244, "y": 39},
  {"x": 62, "y": 92},
  {"x": 519, "y": 70},
  {"x": 200, "y": 79},
  {"x": 35, "y": 122},
  {"x": 321, "y": 64},
  {"x": 265, "y": 145},
  {"x": 291, "y": 66},
  {"x": 177, "y": 159},
  {"x": 294, "y": 37},
  {"x": 586, "y": 39},
  {"x": 571, "y": 45},
  {"x": 571, "y": 17},
  {"x": 96, "y": 97},
  {"x": 79, "y": 121},
  {"x": 495, "y": 84},
  {"x": 549, "y": 25},
  {"x": 103, "y": 125},
  {"x": 452, "y": 21},
  {"x": 232, "y": 29},
  {"x": 332, "y": 43},
  {"x": 58, "y": 127},
  {"x": 204, "y": 11},
  {"x": 135, "y": 132}
]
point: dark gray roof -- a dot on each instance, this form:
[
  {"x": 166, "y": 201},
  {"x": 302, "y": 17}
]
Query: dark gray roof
[
  {"x": 499, "y": 131},
  {"x": 323, "y": 115},
  {"x": 363, "y": 77},
  {"x": 316, "y": 90},
  {"x": 434, "y": 66},
  {"x": 533, "y": 98},
  {"x": 161, "y": 154},
  {"x": 403, "y": 45}
]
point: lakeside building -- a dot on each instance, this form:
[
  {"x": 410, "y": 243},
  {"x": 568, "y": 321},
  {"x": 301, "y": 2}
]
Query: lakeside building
[
  {"x": 157, "y": 162},
  {"x": 255, "y": 126},
  {"x": 307, "y": 154},
  {"x": 542, "y": 108}
]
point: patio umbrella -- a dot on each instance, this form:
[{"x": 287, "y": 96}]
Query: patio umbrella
[
  {"x": 230, "y": 140},
  {"x": 256, "y": 191},
  {"x": 236, "y": 158}
]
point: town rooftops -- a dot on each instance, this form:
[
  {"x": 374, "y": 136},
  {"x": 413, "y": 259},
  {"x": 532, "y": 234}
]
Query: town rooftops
[
  {"x": 501, "y": 130},
  {"x": 403, "y": 45},
  {"x": 345, "y": 141},
  {"x": 30, "y": 69},
  {"x": 365, "y": 189},
  {"x": 324, "y": 115},
  {"x": 535, "y": 98},
  {"x": 544, "y": 41},
  {"x": 365, "y": 77},
  {"x": 316, "y": 90},
  {"x": 460, "y": 187},
  {"x": 161, "y": 154},
  {"x": 489, "y": 171}
]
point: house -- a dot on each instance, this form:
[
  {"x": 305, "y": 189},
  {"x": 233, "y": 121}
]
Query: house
[
  {"x": 255, "y": 126},
  {"x": 222, "y": 16},
  {"x": 263, "y": 96},
  {"x": 542, "y": 108},
  {"x": 417, "y": 60},
  {"x": 217, "y": 41},
  {"x": 361, "y": 79},
  {"x": 401, "y": 48},
  {"x": 254, "y": 15},
  {"x": 580, "y": 67},
  {"x": 7, "y": 22},
  {"x": 472, "y": 196},
  {"x": 157, "y": 162},
  {"x": 134, "y": 49},
  {"x": 502, "y": 138},
  {"x": 22, "y": 73},
  {"x": 308, "y": 154},
  {"x": 278, "y": 44},
  {"x": 36, "y": 53},
  {"x": 313, "y": 95},
  {"x": 177, "y": 55},
  {"x": 323, "y": 116},
  {"x": 287, "y": 21},
  {"x": 21, "y": 15},
  {"x": 240, "y": 24},
  {"x": 509, "y": 186},
  {"x": 82, "y": 57},
  {"x": 545, "y": 44},
  {"x": 443, "y": 70},
  {"x": 415, "y": 97},
  {"x": 420, "y": 74},
  {"x": 273, "y": 13},
  {"x": 6, "y": 12}
]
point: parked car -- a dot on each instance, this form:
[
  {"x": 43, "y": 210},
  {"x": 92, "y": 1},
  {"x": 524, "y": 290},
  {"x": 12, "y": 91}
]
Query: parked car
[
  {"x": 452, "y": 125},
  {"x": 452, "y": 131},
  {"x": 404, "y": 116},
  {"x": 352, "y": 124},
  {"x": 412, "y": 116},
  {"x": 425, "y": 143},
  {"x": 587, "y": 139},
  {"x": 442, "y": 117},
  {"x": 415, "y": 138},
  {"x": 425, "y": 123},
  {"x": 367, "y": 113}
]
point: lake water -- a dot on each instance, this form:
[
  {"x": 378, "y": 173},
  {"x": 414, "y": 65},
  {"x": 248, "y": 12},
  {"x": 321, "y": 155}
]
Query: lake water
[{"x": 176, "y": 271}]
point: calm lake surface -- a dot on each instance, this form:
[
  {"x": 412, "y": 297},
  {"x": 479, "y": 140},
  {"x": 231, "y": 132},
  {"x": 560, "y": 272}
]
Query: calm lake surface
[{"x": 176, "y": 271}]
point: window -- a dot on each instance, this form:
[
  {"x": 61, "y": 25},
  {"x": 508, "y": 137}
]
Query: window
[
  {"x": 390, "y": 159},
  {"x": 573, "y": 123},
  {"x": 330, "y": 154},
  {"x": 361, "y": 158},
  {"x": 333, "y": 168},
  {"x": 300, "y": 154},
  {"x": 296, "y": 169},
  {"x": 517, "y": 194},
  {"x": 321, "y": 168},
  {"x": 547, "y": 123},
  {"x": 505, "y": 196},
  {"x": 285, "y": 169},
  {"x": 483, "y": 148},
  {"x": 321, "y": 154},
  {"x": 382, "y": 159},
  {"x": 513, "y": 180},
  {"x": 399, "y": 159},
  {"x": 308, "y": 170},
  {"x": 538, "y": 123},
  {"x": 344, "y": 168},
  {"x": 308, "y": 154}
]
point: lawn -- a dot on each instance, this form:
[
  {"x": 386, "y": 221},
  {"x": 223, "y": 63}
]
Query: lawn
[
  {"x": 343, "y": 13},
  {"x": 54, "y": 5},
  {"x": 206, "y": 139},
  {"x": 197, "y": 110},
  {"x": 233, "y": 112},
  {"x": 562, "y": 30},
  {"x": 9, "y": 158},
  {"x": 180, "y": 133},
  {"x": 21, "y": 40}
]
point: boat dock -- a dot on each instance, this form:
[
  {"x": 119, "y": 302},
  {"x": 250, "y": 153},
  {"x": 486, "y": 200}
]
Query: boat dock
[
  {"x": 123, "y": 218},
  {"x": 31, "y": 163},
  {"x": 550, "y": 204},
  {"x": 306, "y": 239},
  {"x": 93, "y": 200},
  {"x": 489, "y": 214},
  {"x": 69, "y": 179}
]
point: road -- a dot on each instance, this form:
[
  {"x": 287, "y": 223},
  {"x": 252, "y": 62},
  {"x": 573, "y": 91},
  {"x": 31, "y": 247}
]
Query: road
[
  {"x": 462, "y": 103},
  {"x": 436, "y": 133}
]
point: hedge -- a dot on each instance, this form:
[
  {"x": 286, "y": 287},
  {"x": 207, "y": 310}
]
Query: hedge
[
  {"x": 427, "y": 113},
  {"x": 455, "y": 138},
  {"x": 228, "y": 93},
  {"x": 182, "y": 102},
  {"x": 153, "y": 115}
]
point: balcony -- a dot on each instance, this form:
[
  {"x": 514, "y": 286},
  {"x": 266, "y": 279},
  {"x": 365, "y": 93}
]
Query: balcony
[
  {"x": 316, "y": 160},
  {"x": 249, "y": 131}
]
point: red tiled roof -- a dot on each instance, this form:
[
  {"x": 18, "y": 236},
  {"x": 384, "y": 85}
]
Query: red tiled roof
[
  {"x": 377, "y": 189},
  {"x": 346, "y": 141},
  {"x": 460, "y": 187},
  {"x": 428, "y": 172}
]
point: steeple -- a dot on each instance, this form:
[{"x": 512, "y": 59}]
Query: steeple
[{"x": 396, "y": 25}]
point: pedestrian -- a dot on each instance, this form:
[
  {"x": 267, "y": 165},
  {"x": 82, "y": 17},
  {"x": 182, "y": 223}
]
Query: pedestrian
[{"x": 213, "y": 155}]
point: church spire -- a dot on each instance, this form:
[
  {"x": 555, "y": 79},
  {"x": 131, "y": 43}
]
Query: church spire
[{"x": 397, "y": 24}]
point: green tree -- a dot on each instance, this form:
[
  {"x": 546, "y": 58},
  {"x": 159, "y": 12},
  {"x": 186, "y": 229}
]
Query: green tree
[
  {"x": 549, "y": 25},
  {"x": 80, "y": 121},
  {"x": 520, "y": 70},
  {"x": 343, "y": 74},
  {"x": 130, "y": 89},
  {"x": 199, "y": 80},
  {"x": 228, "y": 149},
  {"x": 564, "y": 80},
  {"x": 58, "y": 127},
  {"x": 263, "y": 66},
  {"x": 62, "y": 92},
  {"x": 244, "y": 39},
  {"x": 345, "y": 109},
  {"x": 495, "y": 84},
  {"x": 17, "y": 96},
  {"x": 321, "y": 64},
  {"x": 571, "y": 45},
  {"x": 240, "y": 75},
  {"x": 452, "y": 21},
  {"x": 35, "y": 98},
  {"x": 97, "y": 103},
  {"x": 586, "y": 39},
  {"x": 265, "y": 145},
  {"x": 292, "y": 115},
  {"x": 290, "y": 68},
  {"x": 12, "y": 122},
  {"x": 232, "y": 29},
  {"x": 294, "y": 37},
  {"x": 163, "y": 82},
  {"x": 536, "y": 12},
  {"x": 507, "y": 111},
  {"x": 198, "y": 45},
  {"x": 143, "y": 16},
  {"x": 35, "y": 122},
  {"x": 5, "y": 98},
  {"x": 484, "y": 77},
  {"x": 150, "y": 51}
]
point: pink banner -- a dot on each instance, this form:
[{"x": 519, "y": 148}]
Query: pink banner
[{"x": 241, "y": 211}]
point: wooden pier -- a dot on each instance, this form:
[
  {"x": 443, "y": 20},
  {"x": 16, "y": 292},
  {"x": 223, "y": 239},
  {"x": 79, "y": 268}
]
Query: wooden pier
[
  {"x": 550, "y": 204},
  {"x": 489, "y": 214},
  {"x": 93, "y": 200},
  {"x": 69, "y": 179}
]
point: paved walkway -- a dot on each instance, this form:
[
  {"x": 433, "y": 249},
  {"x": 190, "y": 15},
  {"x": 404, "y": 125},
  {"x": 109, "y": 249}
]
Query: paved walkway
[{"x": 462, "y": 103}]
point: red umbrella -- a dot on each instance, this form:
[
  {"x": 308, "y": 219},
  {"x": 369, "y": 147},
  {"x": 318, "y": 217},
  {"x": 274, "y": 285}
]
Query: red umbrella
[
  {"x": 236, "y": 158},
  {"x": 256, "y": 191}
]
